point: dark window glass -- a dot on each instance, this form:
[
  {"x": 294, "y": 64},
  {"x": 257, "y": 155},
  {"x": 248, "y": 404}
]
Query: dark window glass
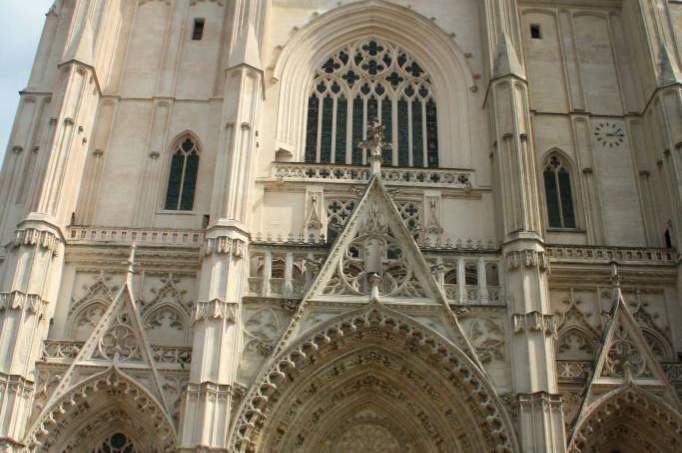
[
  {"x": 417, "y": 134},
  {"x": 403, "y": 134},
  {"x": 535, "y": 31},
  {"x": 387, "y": 121},
  {"x": 182, "y": 178},
  {"x": 311, "y": 136},
  {"x": 566, "y": 198},
  {"x": 432, "y": 132},
  {"x": 327, "y": 123},
  {"x": 175, "y": 180},
  {"x": 552, "y": 200},
  {"x": 358, "y": 123},
  {"x": 341, "y": 123},
  {"x": 198, "y": 32},
  {"x": 187, "y": 202},
  {"x": 559, "y": 195}
]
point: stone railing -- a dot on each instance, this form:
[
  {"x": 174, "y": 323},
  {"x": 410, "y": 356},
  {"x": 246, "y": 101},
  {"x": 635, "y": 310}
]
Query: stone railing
[
  {"x": 144, "y": 237},
  {"x": 608, "y": 254},
  {"x": 394, "y": 176},
  {"x": 66, "y": 351}
]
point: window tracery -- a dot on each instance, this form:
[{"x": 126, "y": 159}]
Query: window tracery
[
  {"x": 559, "y": 194},
  {"x": 365, "y": 80},
  {"x": 182, "y": 178},
  {"x": 117, "y": 443}
]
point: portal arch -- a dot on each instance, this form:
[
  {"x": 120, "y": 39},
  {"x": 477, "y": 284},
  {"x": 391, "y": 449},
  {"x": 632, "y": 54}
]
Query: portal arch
[
  {"x": 414, "y": 382},
  {"x": 628, "y": 419}
]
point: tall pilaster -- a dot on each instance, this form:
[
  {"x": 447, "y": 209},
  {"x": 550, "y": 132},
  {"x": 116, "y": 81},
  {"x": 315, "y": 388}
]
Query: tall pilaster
[
  {"x": 32, "y": 270},
  {"x": 519, "y": 220},
  {"x": 216, "y": 348}
]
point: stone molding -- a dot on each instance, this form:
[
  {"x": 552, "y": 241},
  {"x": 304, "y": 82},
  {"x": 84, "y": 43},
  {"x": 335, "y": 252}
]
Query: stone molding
[
  {"x": 216, "y": 309},
  {"x": 527, "y": 258},
  {"x": 31, "y": 236},
  {"x": 18, "y": 300},
  {"x": 224, "y": 245},
  {"x": 535, "y": 321}
]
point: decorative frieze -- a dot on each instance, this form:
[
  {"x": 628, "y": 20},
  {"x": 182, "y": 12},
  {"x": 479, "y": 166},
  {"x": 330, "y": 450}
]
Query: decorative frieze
[
  {"x": 17, "y": 301},
  {"x": 137, "y": 236},
  {"x": 607, "y": 255},
  {"x": 224, "y": 245},
  {"x": 535, "y": 322},
  {"x": 527, "y": 258},
  {"x": 216, "y": 309},
  {"x": 412, "y": 177},
  {"x": 209, "y": 390},
  {"x": 34, "y": 237}
]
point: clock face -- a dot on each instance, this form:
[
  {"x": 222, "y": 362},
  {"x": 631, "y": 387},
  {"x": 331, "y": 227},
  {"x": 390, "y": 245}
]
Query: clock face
[{"x": 609, "y": 134}]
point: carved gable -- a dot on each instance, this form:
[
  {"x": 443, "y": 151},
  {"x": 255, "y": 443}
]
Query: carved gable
[{"x": 375, "y": 255}]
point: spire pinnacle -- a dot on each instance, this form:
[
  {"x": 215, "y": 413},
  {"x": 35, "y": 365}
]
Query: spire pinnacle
[{"x": 375, "y": 145}]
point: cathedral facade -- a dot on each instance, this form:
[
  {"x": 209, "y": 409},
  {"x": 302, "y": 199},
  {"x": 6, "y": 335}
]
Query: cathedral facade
[{"x": 277, "y": 226}]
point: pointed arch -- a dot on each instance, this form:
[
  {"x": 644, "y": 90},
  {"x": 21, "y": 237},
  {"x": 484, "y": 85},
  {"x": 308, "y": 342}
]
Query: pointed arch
[
  {"x": 370, "y": 355},
  {"x": 441, "y": 57},
  {"x": 560, "y": 194},
  {"x": 87, "y": 405},
  {"x": 183, "y": 171},
  {"x": 630, "y": 418}
]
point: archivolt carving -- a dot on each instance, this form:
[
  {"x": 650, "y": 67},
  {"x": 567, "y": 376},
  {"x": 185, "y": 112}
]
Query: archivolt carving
[
  {"x": 360, "y": 357},
  {"x": 88, "y": 403},
  {"x": 625, "y": 417}
]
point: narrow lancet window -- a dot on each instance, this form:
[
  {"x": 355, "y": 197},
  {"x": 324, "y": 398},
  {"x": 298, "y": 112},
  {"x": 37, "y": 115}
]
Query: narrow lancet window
[
  {"x": 366, "y": 80},
  {"x": 559, "y": 194},
  {"x": 182, "y": 179}
]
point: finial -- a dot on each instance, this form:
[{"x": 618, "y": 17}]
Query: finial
[
  {"x": 131, "y": 259},
  {"x": 615, "y": 276},
  {"x": 375, "y": 144}
]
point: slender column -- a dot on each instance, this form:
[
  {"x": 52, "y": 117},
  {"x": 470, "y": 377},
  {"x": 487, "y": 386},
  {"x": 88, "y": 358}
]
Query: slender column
[
  {"x": 482, "y": 281},
  {"x": 288, "y": 274},
  {"x": 516, "y": 187},
  {"x": 209, "y": 400},
  {"x": 461, "y": 281},
  {"x": 267, "y": 272}
]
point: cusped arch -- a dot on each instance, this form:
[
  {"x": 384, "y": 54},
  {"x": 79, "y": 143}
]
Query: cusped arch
[
  {"x": 441, "y": 57},
  {"x": 88, "y": 313},
  {"x": 384, "y": 354},
  {"x": 182, "y": 136},
  {"x": 81, "y": 407},
  {"x": 587, "y": 342},
  {"x": 179, "y": 320},
  {"x": 628, "y": 417}
]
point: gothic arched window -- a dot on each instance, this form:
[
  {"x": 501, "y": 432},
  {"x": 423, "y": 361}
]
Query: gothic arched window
[
  {"x": 182, "y": 178},
  {"x": 559, "y": 194},
  {"x": 117, "y": 443},
  {"x": 366, "y": 80}
]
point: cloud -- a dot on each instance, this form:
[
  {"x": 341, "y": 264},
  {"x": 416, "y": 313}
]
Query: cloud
[{"x": 21, "y": 24}]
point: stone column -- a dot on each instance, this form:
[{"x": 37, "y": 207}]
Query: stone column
[
  {"x": 516, "y": 186},
  {"x": 32, "y": 270},
  {"x": 217, "y": 329}
]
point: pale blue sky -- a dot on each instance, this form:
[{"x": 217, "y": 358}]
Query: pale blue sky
[{"x": 21, "y": 23}]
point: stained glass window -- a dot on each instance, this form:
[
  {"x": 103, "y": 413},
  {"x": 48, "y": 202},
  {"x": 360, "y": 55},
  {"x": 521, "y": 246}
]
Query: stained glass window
[
  {"x": 365, "y": 80},
  {"x": 559, "y": 194},
  {"x": 182, "y": 179}
]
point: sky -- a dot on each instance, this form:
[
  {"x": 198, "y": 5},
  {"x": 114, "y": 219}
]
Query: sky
[{"x": 21, "y": 24}]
